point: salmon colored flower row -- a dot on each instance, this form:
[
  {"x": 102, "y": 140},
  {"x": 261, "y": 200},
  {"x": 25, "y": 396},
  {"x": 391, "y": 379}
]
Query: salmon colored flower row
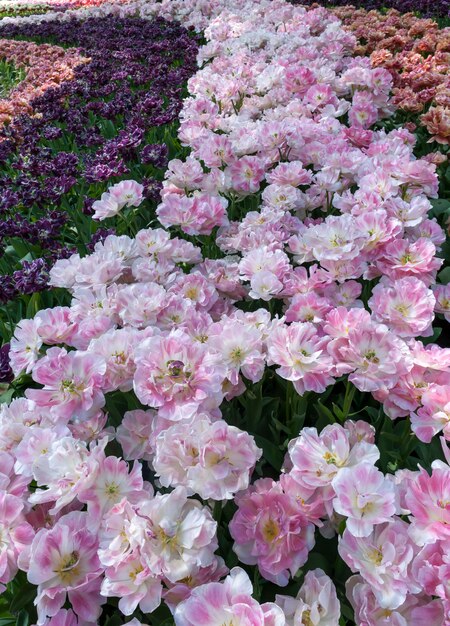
[
  {"x": 46, "y": 66},
  {"x": 416, "y": 52}
]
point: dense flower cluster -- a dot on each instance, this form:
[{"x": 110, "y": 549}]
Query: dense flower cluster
[
  {"x": 417, "y": 54},
  {"x": 428, "y": 8},
  {"x": 10, "y": 8},
  {"x": 82, "y": 132},
  {"x": 296, "y": 252},
  {"x": 46, "y": 66}
]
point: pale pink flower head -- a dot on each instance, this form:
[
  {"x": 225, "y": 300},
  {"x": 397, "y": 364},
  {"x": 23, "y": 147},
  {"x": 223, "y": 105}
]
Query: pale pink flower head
[
  {"x": 403, "y": 258},
  {"x": 64, "y": 271},
  {"x": 196, "y": 288},
  {"x": 310, "y": 499},
  {"x": 127, "y": 193},
  {"x": 134, "y": 433},
  {"x": 25, "y": 346},
  {"x": 244, "y": 175},
  {"x": 417, "y": 610},
  {"x": 210, "y": 212},
  {"x": 153, "y": 242},
  {"x": 442, "y": 295},
  {"x": 91, "y": 428},
  {"x": 270, "y": 530},
  {"x": 72, "y": 382},
  {"x": 186, "y": 174},
  {"x": 434, "y": 414},
  {"x": 139, "y": 304},
  {"x": 292, "y": 173},
  {"x": 264, "y": 285},
  {"x": 345, "y": 294},
  {"x": 16, "y": 533},
  {"x": 316, "y": 603},
  {"x": 302, "y": 355},
  {"x": 63, "y": 562},
  {"x": 338, "y": 238},
  {"x": 431, "y": 569},
  {"x": 113, "y": 482},
  {"x": 229, "y": 602},
  {"x": 177, "y": 375},
  {"x": 359, "y": 431},
  {"x": 56, "y": 325},
  {"x": 375, "y": 356},
  {"x": 406, "y": 306},
  {"x": 10, "y": 482},
  {"x": 363, "y": 112},
  {"x": 365, "y": 497},
  {"x": 264, "y": 259},
  {"x": 106, "y": 207},
  {"x": 134, "y": 583},
  {"x": 67, "y": 469},
  {"x": 428, "y": 499},
  {"x": 216, "y": 150},
  {"x": 212, "y": 459},
  {"x": 308, "y": 307},
  {"x": 117, "y": 348},
  {"x": 240, "y": 347},
  {"x": 121, "y": 532},
  {"x": 430, "y": 366},
  {"x": 180, "y": 535},
  {"x": 36, "y": 442},
  {"x": 177, "y": 592},
  {"x": 318, "y": 458},
  {"x": 384, "y": 560}
]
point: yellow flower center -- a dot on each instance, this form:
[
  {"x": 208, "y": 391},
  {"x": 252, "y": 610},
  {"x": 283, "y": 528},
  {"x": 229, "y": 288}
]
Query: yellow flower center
[{"x": 270, "y": 530}]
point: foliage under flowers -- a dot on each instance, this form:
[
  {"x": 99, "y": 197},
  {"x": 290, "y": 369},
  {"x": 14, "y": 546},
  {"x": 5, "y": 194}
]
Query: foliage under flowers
[
  {"x": 10, "y": 75},
  {"x": 259, "y": 387}
]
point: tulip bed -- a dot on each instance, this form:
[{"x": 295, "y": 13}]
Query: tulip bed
[
  {"x": 84, "y": 116},
  {"x": 427, "y": 8},
  {"x": 228, "y": 400}
]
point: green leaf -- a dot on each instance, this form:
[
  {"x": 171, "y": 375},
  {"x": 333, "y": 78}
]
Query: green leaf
[
  {"x": 440, "y": 207},
  {"x": 23, "y": 619},
  {"x": 22, "y": 597},
  {"x": 271, "y": 452},
  {"x": 7, "y": 395},
  {"x": 338, "y": 412},
  {"x": 444, "y": 276},
  {"x": 324, "y": 412}
]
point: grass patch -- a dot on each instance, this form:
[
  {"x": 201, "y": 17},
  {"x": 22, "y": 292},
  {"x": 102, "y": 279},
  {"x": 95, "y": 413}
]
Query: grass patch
[{"x": 10, "y": 76}]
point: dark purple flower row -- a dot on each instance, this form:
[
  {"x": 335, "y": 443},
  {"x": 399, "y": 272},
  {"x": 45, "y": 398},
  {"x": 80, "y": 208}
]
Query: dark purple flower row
[
  {"x": 426, "y": 8},
  {"x": 105, "y": 125}
]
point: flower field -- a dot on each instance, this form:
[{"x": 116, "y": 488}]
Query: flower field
[{"x": 225, "y": 288}]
